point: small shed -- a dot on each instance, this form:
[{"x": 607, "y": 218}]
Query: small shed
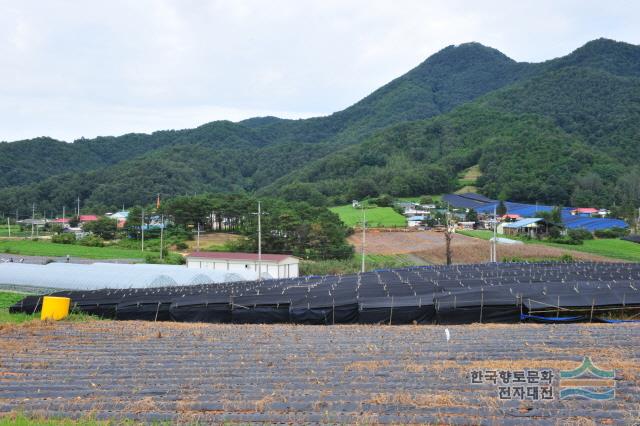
[
  {"x": 531, "y": 227},
  {"x": 414, "y": 221},
  {"x": 273, "y": 265}
]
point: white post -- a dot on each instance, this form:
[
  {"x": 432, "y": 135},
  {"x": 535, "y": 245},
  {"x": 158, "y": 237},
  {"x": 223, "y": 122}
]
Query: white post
[
  {"x": 198, "y": 240},
  {"x": 63, "y": 213},
  {"x": 9, "y": 226},
  {"x": 364, "y": 236},
  {"x": 78, "y": 207},
  {"x": 259, "y": 241},
  {"x": 142, "y": 229}
]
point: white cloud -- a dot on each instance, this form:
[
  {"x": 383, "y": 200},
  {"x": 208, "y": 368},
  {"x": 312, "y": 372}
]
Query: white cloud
[{"x": 86, "y": 68}]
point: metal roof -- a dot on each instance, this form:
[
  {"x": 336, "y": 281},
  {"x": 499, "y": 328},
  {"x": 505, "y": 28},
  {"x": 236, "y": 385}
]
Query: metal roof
[{"x": 523, "y": 222}]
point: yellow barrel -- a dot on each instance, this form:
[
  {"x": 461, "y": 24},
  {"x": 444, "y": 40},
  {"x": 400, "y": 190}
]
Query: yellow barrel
[{"x": 55, "y": 308}]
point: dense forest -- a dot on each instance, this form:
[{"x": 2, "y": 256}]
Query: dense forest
[{"x": 565, "y": 131}]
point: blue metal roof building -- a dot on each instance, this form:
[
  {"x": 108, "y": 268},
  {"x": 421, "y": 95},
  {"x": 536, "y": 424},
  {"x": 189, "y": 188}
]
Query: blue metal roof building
[{"x": 485, "y": 205}]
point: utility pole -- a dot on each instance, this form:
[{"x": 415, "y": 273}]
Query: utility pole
[
  {"x": 259, "y": 241},
  {"x": 161, "y": 235},
  {"x": 364, "y": 236},
  {"x": 78, "y": 207},
  {"x": 198, "y": 241},
  {"x": 9, "y": 226},
  {"x": 494, "y": 241},
  {"x": 33, "y": 219},
  {"x": 63, "y": 214},
  {"x": 142, "y": 229},
  {"x": 447, "y": 238}
]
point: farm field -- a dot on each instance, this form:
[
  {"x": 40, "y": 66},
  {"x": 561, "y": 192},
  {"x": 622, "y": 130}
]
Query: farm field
[
  {"x": 46, "y": 248},
  {"x": 15, "y": 231},
  {"x": 377, "y": 217},
  {"x": 430, "y": 246},
  {"x": 230, "y": 374},
  {"x": 613, "y": 248}
]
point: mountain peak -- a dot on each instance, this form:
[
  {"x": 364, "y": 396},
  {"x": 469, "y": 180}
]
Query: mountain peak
[
  {"x": 613, "y": 56},
  {"x": 467, "y": 53}
]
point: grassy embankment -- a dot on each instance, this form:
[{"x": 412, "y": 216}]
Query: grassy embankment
[
  {"x": 377, "y": 217},
  {"x": 613, "y": 248}
]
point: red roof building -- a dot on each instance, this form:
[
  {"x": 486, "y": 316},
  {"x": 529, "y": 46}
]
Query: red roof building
[
  {"x": 252, "y": 257},
  {"x": 584, "y": 210},
  {"x": 88, "y": 218},
  {"x": 61, "y": 220}
]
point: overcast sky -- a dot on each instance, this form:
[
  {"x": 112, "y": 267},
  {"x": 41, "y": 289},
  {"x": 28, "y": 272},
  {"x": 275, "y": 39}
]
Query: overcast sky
[{"x": 86, "y": 68}]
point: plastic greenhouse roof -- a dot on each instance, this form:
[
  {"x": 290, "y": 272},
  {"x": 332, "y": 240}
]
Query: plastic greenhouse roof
[
  {"x": 522, "y": 222},
  {"x": 95, "y": 276}
]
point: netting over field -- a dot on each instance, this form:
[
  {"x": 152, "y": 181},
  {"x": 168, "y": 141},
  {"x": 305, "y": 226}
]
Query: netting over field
[{"x": 442, "y": 294}]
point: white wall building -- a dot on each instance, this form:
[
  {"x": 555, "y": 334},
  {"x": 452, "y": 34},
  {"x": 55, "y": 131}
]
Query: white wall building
[{"x": 275, "y": 265}]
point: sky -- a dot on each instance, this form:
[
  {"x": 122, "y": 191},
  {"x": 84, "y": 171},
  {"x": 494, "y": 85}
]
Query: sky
[{"x": 85, "y": 68}]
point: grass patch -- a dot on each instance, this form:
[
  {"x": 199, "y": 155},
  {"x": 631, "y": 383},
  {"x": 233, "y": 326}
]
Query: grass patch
[
  {"x": 15, "y": 231},
  {"x": 8, "y": 298},
  {"x": 482, "y": 234},
  {"x": 354, "y": 265},
  {"x": 47, "y": 248},
  {"x": 18, "y": 419},
  {"x": 377, "y": 217},
  {"x": 613, "y": 248}
]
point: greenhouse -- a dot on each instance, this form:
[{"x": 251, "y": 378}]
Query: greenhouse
[{"x": 69, "y": 276}]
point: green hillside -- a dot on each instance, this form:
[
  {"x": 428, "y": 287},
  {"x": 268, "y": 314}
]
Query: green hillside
[{"x": 563, "y": 131}]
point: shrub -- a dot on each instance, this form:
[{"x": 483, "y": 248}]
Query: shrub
[
  {"x": 182, "y": 245},
  {"x": 169, "y": 259},
  {"x": 92, "y": 241},
  {"x": 611, "y": 233},
  {"x": 579, "y": 234},
  {"x": 64, "y": 238},
  {"x": 554, "y": 232}
]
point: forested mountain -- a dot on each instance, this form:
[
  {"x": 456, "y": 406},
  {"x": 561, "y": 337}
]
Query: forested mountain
[{"x": 562, "y": 131}]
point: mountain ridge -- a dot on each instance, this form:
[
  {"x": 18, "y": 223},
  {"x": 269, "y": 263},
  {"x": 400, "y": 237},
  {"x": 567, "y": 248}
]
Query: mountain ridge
[{"x": 262, "y": 152}]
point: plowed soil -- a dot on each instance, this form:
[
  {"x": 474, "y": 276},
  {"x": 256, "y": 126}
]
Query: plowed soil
[
  {"x": 305, "y": 374},
  {"x": 430, "y": 246}
]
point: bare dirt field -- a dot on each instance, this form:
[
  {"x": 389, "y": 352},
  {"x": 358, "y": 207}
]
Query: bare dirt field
[
  {"x": 208, "y": 241},
  {"x": 209, "y": 373},
  {"x": 430, "y": 246}
]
